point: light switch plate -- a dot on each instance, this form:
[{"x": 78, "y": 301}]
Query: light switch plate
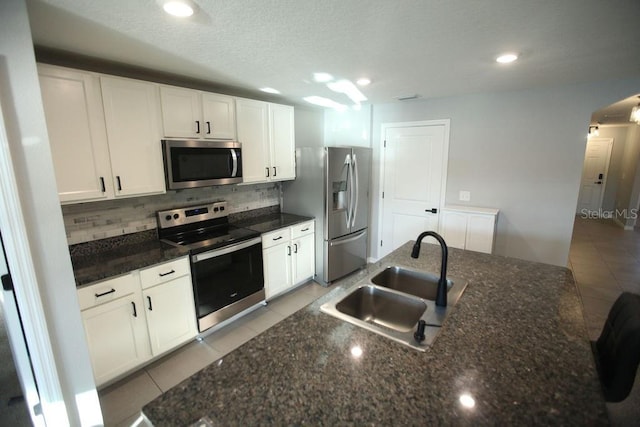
[{"x": 465, "y": 196}]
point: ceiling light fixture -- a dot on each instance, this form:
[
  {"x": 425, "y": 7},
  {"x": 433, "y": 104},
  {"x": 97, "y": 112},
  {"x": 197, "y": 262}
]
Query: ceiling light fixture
[
  {"x": 635, "y": 114},
  {"x": 348, "y": 88},
  {"x": 179, "y": 8},
  {"x": 363, "y": 81},
  {"x": 506, "y": 58},
  {"x": 322, "y": 77},
  {"x": 270, "y": 90}
]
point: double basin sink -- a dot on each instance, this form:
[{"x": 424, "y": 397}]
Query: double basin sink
[{"x": 393, "y": 301}]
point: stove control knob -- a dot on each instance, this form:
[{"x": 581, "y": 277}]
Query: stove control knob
[
  {"x": 215, "y": 209},
  {"x": 176, "y": 216},
  {"x": 221, "y": 208},
  {"x": 168, "y": 217}
]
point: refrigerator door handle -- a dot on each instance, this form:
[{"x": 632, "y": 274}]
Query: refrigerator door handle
[
  {"x": 347, "y": 161},
  {"x": 356, "y": 189},
  {"x": 348, "y": 240}
]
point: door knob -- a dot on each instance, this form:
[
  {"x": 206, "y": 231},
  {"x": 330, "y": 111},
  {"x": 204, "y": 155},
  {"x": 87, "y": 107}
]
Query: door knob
[
  {"x": 598, "y": 182},
  {"x": 432, "y": 210}
]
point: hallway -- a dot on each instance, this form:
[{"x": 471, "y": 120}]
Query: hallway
[{"x": 605, "y": 260}]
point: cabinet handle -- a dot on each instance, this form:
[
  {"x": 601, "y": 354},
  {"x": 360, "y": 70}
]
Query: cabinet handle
[
  {"x": 274, "y": 171},
  {"x": 277, "y": 238},
  {"x": 105, "y": 293},
  {"x": 208, "y": 127},
  {"x": 289, "y": 250},
  {"x": 267, "y": 172},
  {"x": 150, "y": 306},
  {"x": 197, "y": 126},
  {"x": 305, "y": 229},
  {"x": 135, "y": 312},
  {"x": 167, "y": 273},
  {"x": 102, "y": 184},
  {"x": 119, "y": 183},
  {"x": 295, "y": 248}
]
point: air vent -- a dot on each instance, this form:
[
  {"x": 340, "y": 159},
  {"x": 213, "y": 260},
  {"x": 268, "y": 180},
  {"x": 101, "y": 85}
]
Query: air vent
[{"x": 407, "y": 97}]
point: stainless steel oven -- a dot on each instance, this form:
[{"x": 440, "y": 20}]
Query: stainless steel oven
[{"x": 226, "y": 261}]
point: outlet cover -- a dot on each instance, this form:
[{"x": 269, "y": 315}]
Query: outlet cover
[{"x": 465, "y": 196}]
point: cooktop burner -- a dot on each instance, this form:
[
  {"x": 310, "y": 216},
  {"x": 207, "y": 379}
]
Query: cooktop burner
[{"x": 201, "y": 227}]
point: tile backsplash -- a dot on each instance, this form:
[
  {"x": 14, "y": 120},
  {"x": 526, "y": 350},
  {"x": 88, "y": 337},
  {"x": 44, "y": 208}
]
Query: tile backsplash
[{"x": 85, "y": 222}]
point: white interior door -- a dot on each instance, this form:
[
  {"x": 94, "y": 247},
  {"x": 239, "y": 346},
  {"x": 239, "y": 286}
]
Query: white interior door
[
  {"x": 414, "y": 168},
  {"x": 594, "y": 175}
]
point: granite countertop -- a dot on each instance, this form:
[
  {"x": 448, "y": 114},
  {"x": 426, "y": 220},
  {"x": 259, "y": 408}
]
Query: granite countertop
[
  {"x": 267, "y": 223},
  {"x": 515, "y": 341}
]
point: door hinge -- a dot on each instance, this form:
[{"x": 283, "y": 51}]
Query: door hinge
[
  {"x": 383, "y": 194},
  {"x": 380, "y": 242},
  {"x": 385, "y": 144},
  {"x": 7, "y": 283}
]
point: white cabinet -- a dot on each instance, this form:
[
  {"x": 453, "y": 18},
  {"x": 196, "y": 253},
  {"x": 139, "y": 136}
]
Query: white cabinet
[
  {"x": 133, "y": 318},
  {"x": 132, "y": 116},
  {"x": 469, "y": 228},
  {"x": 115, "y": 326},
  {"x": 288, "y": 257},
  {"x": 188, "y": 113},
  {"x": 169, "y": 305},
  {"x": 266, "y": 132},
  {"x": 75, "y": 124}
]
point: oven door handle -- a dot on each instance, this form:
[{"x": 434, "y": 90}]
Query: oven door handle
[{"x": 223, "y": 251}]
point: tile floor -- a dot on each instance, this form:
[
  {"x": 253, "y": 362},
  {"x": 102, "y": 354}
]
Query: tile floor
[
  {"x": 121, "y": 402},
  {"x": 604, "y": 258}
]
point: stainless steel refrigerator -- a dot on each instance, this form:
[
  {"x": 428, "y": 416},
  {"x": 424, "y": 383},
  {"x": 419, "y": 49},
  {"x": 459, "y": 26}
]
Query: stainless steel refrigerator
[{"x": 332, "y": 185}]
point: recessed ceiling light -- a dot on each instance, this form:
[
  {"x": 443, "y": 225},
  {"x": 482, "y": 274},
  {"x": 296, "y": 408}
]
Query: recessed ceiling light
[
  {"x": 179, "y": 8},
  {"x": 363, "y": 81},
  {"x": 506, "y": 58},
  {"x": 325, "y": 102},
  {"x": 270, "y": 90},
  {"x": 322, "y": 77}
]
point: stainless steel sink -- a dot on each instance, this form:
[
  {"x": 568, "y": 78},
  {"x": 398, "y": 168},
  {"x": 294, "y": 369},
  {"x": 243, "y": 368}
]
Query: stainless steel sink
[
  {"x": 420, "y": 284},
  {"x": 392, "y": 301},
  {"x": 375, "y": 305}
]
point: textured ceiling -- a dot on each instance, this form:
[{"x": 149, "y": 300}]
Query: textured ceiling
[{"x": 432, "y": 48}]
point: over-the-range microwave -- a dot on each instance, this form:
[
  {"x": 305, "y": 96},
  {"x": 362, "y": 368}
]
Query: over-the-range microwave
[{"x": 198, "y": 163}]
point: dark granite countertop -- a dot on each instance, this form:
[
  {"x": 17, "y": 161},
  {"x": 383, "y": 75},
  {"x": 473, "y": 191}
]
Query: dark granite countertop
[
  {"x": 267, "y": 223},
  {"x": 515, "y": 341}
]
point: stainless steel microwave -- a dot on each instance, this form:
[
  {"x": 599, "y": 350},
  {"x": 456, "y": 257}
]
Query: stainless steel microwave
[{"x": 195, "y": 163}]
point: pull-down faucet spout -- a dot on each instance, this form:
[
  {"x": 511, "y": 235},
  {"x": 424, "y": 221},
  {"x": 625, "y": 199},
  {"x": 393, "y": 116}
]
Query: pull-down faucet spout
[{"x": 441, "y": 295}]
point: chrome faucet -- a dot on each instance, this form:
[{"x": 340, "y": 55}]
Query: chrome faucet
[{"x": 441, "y": 295}]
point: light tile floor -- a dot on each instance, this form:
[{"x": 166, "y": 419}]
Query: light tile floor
[
  {"x": 121, "y": 402},
  {"x": 605, "y": 260}
]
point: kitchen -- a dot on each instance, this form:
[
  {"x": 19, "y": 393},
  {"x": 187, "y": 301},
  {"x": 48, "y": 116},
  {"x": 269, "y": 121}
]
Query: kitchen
[{"x": 538, "y": 118}]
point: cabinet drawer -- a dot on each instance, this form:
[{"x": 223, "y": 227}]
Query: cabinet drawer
[
  {"x": 303, "y": 229},
  {"x": 161, "y": 273},
  {"x": 107, "y": 290},
  {"x": 276, "y": 237}
]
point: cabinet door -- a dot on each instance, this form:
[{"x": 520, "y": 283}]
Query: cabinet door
[
  {"x": 75, "y": 123},
  {"x": 277, "y": 269},
  {"x": 304, "y": 258},
  {"x": 253, "y": 133},
  {"x": 117, "y": 337},
  {"x": 454, "y": 228},
  {"x": 132, "y": 114},
  {"x": 219, "y": 116},
  {"x": 480, "y": 231},
  {"x": 170, "y": 312},
  {"x": 181, "y": 112},
  {"x": 281, "y": 124}
]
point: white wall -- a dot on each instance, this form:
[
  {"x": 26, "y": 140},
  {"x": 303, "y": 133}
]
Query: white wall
[
  {"x": 48, "y": 268},
  {"x": 348, "y": 128},
  {"x": 619, "y": 135},
  {"x": 521, "y": 152},
  {"x": 629, "y": 181}
]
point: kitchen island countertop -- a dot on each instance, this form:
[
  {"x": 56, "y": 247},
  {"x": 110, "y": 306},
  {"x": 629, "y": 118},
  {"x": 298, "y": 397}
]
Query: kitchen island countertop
[{"x": 515, "y": 343}]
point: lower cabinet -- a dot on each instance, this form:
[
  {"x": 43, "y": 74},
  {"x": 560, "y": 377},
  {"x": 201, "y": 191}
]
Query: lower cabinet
[
  {"x": 288, "y": 257},
  {"x": 133, "y": 318},
  {"x": 469, "y": 228}
]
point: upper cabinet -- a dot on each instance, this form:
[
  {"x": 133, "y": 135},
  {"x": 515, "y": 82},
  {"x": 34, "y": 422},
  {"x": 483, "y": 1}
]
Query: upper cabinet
[
  {"x": 75, "y": 123},
  {"x": 188, "y": 113},
  {"x": 266, "y": 131},
  {"x": 132, "y": 116},
  {"x": 104, "y": 134}
]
